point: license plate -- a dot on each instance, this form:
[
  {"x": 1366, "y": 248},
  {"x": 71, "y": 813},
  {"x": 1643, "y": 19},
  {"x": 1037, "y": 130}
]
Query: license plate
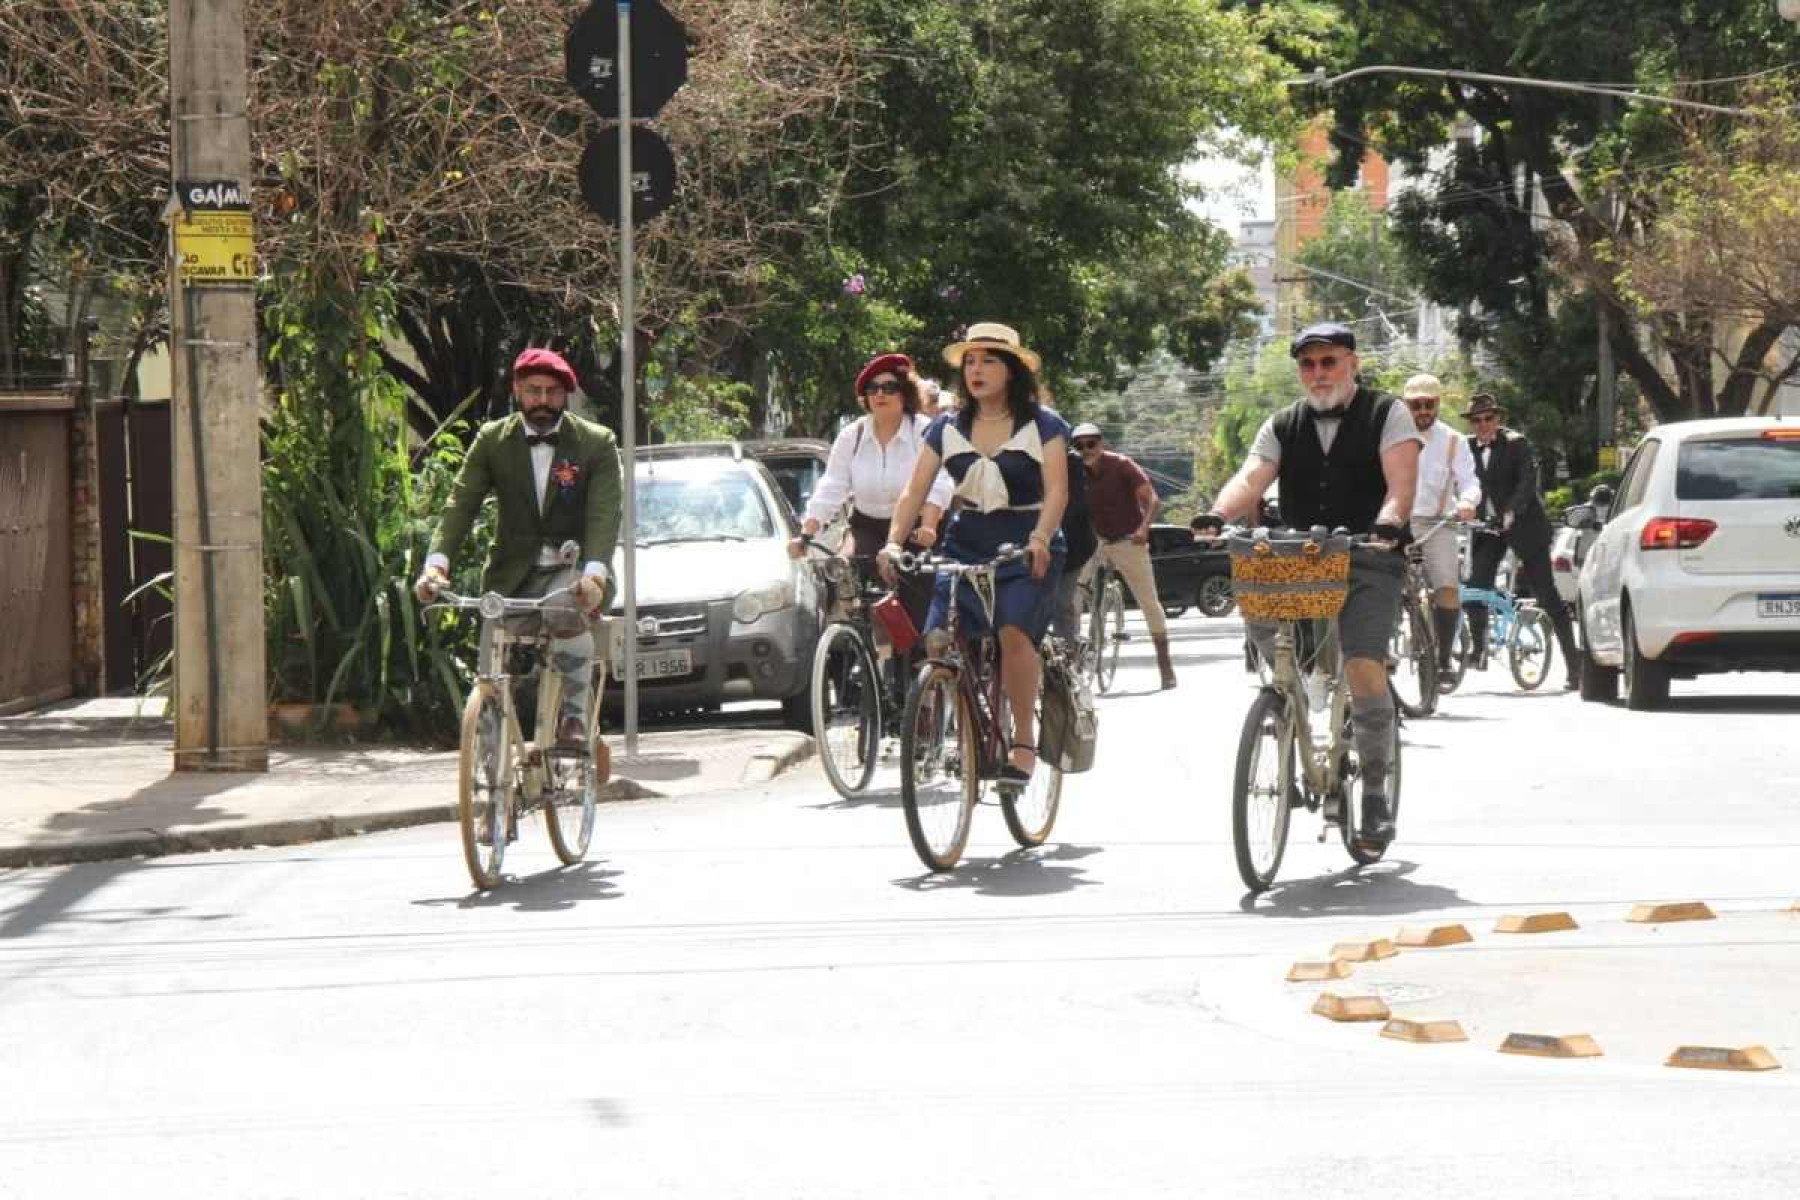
[
  {"x": 1782, "y": 605},
  {"x": 1785, "y": 604},
  {"x": 658, "y": 664}
]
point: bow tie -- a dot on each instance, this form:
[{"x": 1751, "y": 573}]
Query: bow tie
[{"x": 541, "y": 439}]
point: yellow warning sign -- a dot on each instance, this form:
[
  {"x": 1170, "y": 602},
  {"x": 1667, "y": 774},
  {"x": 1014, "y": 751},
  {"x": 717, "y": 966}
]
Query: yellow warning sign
[
  {"x": 215, "y": 247},
  {"x": 1609, "y": 458}
]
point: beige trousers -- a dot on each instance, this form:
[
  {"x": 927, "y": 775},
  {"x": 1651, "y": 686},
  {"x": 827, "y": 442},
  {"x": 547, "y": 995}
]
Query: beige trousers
[{"x": 1132, "y": 562}]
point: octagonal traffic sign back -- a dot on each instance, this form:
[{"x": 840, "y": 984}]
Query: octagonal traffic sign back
[
  {"x": 658, "y": 58},
  {"x": 652, "y": 174}
]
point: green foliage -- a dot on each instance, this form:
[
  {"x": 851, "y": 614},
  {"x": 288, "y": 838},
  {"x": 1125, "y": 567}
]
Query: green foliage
[
  {"x": 1358, "y": 271},
  {"x": 347, "y": 520}
]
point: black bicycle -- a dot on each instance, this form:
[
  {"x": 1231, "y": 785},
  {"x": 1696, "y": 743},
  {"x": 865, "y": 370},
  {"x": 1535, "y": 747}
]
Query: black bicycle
[{"x": 857, "y": 690}]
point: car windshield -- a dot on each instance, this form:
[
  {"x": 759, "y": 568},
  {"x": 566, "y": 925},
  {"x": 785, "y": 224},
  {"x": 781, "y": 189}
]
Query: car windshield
[
  {"x": 797, "y": 477},
  {"x": 686, "y": 508},
  {"x": 1739, "y": 469}
]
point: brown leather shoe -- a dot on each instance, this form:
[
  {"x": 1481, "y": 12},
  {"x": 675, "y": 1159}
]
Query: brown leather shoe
[{"x": 571, "y": 735}]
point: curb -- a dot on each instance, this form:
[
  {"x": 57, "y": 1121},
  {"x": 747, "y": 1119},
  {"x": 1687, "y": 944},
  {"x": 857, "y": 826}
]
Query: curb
[{"x": 290, "y": 831}]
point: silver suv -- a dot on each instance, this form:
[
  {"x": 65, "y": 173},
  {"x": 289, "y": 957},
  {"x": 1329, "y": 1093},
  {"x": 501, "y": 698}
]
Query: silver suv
[{"x": 723, "y": 612}]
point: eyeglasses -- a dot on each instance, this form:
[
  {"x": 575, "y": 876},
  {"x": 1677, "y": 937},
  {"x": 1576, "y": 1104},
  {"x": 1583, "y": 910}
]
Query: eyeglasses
[
  {"x": 1422, "y": 405},
  {"x": 1484, "y": 418},
  {"x": 1321, "y": 362},
  {"x": 889, "y": 387},
  {"x": 1086, "y": 443}
]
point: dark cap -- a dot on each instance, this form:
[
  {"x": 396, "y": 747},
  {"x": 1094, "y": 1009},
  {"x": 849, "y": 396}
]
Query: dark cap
[
  {"x": 1482, "y": 403},
  {"x": 1329, "y": 332}
]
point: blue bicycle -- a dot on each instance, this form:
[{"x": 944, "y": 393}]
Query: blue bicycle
[{"x": 1518, "y": 627}]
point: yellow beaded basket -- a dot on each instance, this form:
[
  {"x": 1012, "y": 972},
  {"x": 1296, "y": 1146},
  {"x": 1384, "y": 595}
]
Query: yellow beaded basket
[{"x": 1290, "y": 579}]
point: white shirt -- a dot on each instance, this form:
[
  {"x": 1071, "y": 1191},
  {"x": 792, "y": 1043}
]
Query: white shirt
[
  {"x": 1446, "y": 474},
  {"x": 874, "y": 474}
]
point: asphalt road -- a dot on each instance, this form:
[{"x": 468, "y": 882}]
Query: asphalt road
[{"x": 760, "y": 994}]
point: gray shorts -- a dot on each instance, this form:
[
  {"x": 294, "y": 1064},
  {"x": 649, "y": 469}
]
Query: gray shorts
[
  {"x": 1438, "y": 555},
  {"x": 1366, "y": 624}
]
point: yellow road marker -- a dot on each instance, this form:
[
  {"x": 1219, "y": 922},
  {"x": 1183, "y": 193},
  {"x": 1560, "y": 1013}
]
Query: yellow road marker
[
  {"x": 1350, "y": 1008},
  {"x": 1423, "y": 1031},
  {"x": 1686, "y": 910},
  {"x": 1364, "y": 951},
  {"x": 1437, "y": 935},
  {"x": 1314, "y": 972},
  {"x": 1578, "y": 1045},
  {"x": 1723, "y": 1058},
  {"x": 1545, "y": 922}
]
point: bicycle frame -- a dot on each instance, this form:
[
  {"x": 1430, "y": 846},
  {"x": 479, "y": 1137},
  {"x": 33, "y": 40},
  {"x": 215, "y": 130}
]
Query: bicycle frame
[
  {"x": 1319, "y": 761},
  {"x": 975, "y": 661}
]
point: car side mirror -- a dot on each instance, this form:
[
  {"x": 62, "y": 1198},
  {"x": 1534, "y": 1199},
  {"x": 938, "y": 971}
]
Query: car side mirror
[{"x": 1581, "y": 516}]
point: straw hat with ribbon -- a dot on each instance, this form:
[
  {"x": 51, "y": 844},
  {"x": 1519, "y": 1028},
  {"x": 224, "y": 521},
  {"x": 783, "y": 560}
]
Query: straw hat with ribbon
[{"x": 991, "y": 335}]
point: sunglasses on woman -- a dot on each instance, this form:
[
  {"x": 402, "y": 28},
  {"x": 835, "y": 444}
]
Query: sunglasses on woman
[{"x": 890, "y": 387}]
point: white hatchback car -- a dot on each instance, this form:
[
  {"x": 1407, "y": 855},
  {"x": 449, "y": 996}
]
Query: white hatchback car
[{"x": 1697, "y": 568}]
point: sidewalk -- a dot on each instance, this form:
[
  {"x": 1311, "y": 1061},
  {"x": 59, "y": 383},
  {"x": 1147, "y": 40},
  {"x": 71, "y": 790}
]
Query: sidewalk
[{"x": 91, "y": 780}]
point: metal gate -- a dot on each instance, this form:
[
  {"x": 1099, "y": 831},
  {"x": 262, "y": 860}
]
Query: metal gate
[
  {"x": 136, "y": 518},
  {"x": 37, "y": 620}
]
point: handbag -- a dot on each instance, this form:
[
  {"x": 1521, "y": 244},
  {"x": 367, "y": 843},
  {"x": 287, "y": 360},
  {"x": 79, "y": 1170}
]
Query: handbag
[
  {"x": 1070, "y": 726},
  {"x": 896, "y": 622}
]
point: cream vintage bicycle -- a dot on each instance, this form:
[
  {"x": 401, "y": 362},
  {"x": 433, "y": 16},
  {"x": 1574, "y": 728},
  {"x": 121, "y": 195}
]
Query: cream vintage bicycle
[{"x": 502, "y": 775}]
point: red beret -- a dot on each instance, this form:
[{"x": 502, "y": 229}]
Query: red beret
[
  {"x": 545, "y": 362},
  {"x": 897, "y": 364}
]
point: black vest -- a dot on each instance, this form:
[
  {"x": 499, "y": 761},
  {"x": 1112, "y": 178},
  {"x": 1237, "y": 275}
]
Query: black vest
[{"x": 1344, "y": 488}]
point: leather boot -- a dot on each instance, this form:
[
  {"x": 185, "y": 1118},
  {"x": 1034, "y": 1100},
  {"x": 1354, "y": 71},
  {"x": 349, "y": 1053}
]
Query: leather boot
[{"x": 1161, "y": 642}]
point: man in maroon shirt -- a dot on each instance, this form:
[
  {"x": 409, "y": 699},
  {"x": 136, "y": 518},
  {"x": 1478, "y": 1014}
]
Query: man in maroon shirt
[{"x": 1123, "y": 504}]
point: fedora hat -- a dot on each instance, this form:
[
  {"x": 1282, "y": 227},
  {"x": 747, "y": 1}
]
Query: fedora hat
[
  {"x": 991, "y": 335},
  {"x": 1480, "y": 404}
]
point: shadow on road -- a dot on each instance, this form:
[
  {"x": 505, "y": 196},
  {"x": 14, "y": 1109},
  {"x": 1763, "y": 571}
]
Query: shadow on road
[
  {"x": 1038, "y": 872},
  {"x": 888, "y": 797},
  {"x": 1382, "y": 889},
  {"x": 546, "y": 891}
]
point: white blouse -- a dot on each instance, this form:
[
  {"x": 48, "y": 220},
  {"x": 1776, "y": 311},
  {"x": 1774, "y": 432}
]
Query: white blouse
[{"x": 875, "y": 475}]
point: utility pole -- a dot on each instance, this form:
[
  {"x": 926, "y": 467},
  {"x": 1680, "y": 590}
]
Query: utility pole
[
  {"x": 1606, "y": 374},
  {"x": 221, "y": 702}
]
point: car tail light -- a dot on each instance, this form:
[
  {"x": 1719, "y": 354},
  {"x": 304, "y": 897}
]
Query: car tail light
[
  {"x": 1691, "y": 636},
  {"x": 1675, "y": 533},
  {"x": 1784, "y": 434}
]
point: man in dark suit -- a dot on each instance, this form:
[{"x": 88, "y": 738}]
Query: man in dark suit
[
  {"x": 1509, "y": 499},
  {"x": 556, "y": 479}
]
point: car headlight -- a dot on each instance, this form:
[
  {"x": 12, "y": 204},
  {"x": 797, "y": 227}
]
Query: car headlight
[{"x": 754, "y": 603}]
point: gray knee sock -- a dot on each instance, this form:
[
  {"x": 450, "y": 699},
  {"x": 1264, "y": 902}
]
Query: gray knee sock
[{"x": 1372, "y": 722}]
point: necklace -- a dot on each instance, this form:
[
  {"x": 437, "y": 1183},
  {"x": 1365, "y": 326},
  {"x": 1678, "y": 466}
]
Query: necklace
[{"x": 1002, "y": 417}]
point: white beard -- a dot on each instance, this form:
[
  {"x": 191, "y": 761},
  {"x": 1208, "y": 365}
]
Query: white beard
[{"x": 1338, "y": 395}]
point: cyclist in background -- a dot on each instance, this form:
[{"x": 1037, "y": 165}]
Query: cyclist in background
[
  {"x": 1447, "y": 486},
  {"x": 1124, "y": 504},
  {"x": 1345, "y": 456}
]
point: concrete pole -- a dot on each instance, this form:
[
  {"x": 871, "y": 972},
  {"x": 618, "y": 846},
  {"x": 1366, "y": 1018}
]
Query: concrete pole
[
  {"x": 628, "y": 375},
  {"x": 221, "y": 701}
]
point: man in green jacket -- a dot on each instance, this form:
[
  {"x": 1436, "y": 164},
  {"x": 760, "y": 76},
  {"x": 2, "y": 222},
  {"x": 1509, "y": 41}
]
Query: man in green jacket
[{"x": 556, "y": 478}]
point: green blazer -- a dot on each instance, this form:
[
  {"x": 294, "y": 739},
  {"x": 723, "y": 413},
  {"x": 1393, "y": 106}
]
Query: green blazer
[{"x": 581, "y": 500}]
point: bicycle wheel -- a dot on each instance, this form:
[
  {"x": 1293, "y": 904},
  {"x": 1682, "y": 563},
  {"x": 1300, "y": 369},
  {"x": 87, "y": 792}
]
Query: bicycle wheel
[
  {"x": 939, "y": 768},
  {"x": 1413, "y": 669},
  {"x": 846, "y": 709},
  {"x": 1031, "y": 811},
  {"x": 1261, "y": 788},
  {"x": 483, "y": 782},
  {"x": 572, "y": 788},
  {"x": 1215, "y": 598},
  {"x": 1353, "y": 793},
  {"x": 1530, "y": 648},
  {"x": 1109, "y": 631}
]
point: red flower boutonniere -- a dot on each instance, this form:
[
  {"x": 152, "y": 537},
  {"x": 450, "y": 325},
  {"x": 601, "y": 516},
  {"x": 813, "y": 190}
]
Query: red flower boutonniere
[{"x": 566, "y": 474}]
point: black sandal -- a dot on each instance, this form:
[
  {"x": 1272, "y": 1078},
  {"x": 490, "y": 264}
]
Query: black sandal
[{"x": 1013, "y": 777}]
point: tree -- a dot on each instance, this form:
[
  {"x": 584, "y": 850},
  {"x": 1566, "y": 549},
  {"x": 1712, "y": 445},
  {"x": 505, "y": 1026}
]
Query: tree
[
  {"x": 1356, "y": 271},
  {"x": 1726, "y": 246},
  {"x": 1536, "y": 188}
]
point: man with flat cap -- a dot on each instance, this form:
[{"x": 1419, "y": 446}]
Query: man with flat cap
[
  {"x": 556, "y": 479},
  {"x": 1510, "y": 501},
  {"x": 1346, "y": 456}
]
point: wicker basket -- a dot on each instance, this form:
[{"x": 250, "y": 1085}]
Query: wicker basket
[{"x": 1295, "y": 578}]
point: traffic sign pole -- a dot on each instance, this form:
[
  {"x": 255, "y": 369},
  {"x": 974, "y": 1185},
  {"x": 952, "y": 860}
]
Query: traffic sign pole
[{"x": 628, "y": 375}]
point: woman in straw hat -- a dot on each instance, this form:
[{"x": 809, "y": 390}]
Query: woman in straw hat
[{"x": 1008, "y": 458}]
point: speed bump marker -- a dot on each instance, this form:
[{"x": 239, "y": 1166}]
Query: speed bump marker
[
  {"x": 1723, "y": 1058},
  {"x": 1686, "y": 910},
  {"x": 1373, "y": 951},
  {"x": 1350, "y": 1008},
  {"x": 1314, "y": 972},
  {"x": 1545, "y": 922},
  {"x": 1578, "y": 1045},
  {"x": 1423, "y": 1031},
  {"x": 1437, "y": 935}
]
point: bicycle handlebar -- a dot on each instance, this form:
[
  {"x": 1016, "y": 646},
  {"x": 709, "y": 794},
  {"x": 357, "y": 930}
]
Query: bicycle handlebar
[
  {"x": 925, "y": 560},
  {"x": 492, "y": 605}
]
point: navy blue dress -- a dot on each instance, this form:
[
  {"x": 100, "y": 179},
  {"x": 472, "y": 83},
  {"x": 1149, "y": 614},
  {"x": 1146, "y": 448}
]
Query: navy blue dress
[{"x": 996, "y": 504}]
